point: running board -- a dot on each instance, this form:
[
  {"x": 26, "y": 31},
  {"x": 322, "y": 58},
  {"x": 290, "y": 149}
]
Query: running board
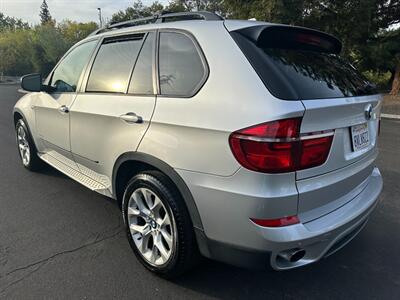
[{"x": 65, "y": 166}]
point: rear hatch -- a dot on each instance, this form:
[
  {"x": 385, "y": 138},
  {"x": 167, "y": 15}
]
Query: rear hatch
[{"x": 302, "y": 64}]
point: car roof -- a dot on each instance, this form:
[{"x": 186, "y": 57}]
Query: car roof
[{"x": 183, "y": 25}]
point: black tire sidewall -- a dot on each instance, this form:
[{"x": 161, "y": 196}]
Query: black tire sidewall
[{"x": 145, "y": 180}]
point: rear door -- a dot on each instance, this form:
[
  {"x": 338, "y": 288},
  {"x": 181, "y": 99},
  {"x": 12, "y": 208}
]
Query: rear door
[{"x": 113, "y": 110}]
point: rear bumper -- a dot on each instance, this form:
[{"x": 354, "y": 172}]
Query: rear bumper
[
  {"x": 319, "y": 238},
  {"x": 324, "y": 236}
]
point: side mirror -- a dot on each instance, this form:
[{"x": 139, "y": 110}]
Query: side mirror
[{"x": 32, "y": 82}]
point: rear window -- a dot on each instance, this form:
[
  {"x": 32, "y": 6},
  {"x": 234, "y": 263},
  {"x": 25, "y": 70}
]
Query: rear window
[{"x": 297, "y": 73}]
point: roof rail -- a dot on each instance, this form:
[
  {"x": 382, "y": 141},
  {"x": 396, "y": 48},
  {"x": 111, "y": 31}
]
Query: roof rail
[
  {"x": 191, "y": 15},
  {"x": 161, "y": 18}
]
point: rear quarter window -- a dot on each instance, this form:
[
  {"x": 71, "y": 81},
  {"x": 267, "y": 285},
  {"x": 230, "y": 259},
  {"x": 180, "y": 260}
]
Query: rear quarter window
[{"x": 181, "y": 68}]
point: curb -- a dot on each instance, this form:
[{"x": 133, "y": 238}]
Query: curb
[
  {"x": 9, "y": 83},
  {"x": 390, "y": 116}
]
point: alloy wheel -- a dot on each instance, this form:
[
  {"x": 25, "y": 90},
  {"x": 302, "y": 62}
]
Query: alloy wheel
[
  {"x": 23, "y": 145},
  {"x": 151, "y": 227}
]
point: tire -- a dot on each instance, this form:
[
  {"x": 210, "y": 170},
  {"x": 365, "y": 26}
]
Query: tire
[
  {"x": 26, "y": 148},
  {"x": 140, "y": 194}
]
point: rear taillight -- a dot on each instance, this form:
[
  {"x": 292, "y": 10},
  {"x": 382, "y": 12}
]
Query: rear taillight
[{"x": 277, "y": 147}]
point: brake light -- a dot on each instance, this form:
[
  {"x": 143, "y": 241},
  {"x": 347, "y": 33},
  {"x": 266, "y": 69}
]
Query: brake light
[{"x": 277, "y": 147}]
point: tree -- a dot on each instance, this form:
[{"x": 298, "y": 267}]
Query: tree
[
  {"x": 382, "y": 54},
  {"x": 354, "y": 22},
  {"x": 139, "y": 10},
  {"x": 45, "y": 17},
  {"x": 136, "y": 11},
  {"x": 279, "y": 11},
  {"x": 73, "y": 32},
  {"x": 38, "y": 49},
  {"x": 198, "y": 5},
  {"x": 363, "y": 28},
  {"x": 10, "y": 23}
]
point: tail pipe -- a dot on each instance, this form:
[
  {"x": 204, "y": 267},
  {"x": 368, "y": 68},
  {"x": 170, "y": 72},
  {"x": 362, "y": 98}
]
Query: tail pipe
[{"x": 292, "y": 255}]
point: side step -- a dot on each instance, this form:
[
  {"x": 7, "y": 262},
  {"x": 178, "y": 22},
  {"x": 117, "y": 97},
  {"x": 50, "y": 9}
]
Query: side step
[{"x": 65, "y": 166}]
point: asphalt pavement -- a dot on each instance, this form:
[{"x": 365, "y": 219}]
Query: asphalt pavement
[{"x": 59, "y": 240}]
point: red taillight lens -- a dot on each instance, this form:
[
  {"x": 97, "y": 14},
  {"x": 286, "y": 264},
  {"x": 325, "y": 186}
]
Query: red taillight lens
[
  {"x": 288, "y": 128},
  {"x": 285, "y": 221},
  {"x": 315, "y": 151},
  {"x": 276, "y": 147}
]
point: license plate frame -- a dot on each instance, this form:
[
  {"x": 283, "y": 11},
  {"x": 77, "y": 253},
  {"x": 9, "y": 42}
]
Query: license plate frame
[{"x": 360, "y": 137}]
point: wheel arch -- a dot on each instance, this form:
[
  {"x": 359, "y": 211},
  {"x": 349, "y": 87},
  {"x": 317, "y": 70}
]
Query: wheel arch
[
  {"x": 17, "y": 115},
  {"x": 141, "y": 161}
]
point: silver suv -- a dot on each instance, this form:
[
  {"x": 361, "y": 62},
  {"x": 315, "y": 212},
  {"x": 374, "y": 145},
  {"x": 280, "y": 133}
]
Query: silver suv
[{"x": 246, "y": 142}]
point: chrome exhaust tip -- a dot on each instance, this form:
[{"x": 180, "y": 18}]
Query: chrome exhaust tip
[{"x": 293, "y": 255}]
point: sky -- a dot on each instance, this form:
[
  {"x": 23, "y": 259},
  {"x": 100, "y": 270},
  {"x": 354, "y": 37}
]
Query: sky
[{"x": 82, "y": 11}]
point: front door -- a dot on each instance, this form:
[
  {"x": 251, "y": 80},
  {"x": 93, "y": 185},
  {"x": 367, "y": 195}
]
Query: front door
[{"x": 52, "y": 108}]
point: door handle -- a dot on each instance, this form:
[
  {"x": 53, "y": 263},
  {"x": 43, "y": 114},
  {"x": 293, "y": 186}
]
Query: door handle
[
  {"x": 131, "y": 118},
  {"x": 63, "y": 109}
]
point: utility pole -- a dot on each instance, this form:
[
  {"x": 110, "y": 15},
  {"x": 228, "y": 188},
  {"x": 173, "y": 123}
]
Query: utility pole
[{"x": 101, "y": 21}]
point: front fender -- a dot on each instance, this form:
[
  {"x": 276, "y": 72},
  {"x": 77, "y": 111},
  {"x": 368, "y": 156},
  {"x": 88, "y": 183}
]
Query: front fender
[{"x": 25, "y": 108}]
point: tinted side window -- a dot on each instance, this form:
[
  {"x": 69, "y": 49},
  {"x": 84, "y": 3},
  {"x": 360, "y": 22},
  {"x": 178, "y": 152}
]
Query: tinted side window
[
  {"x": 66, "y": 76},
  {"x": 180, "y": 66},
  {"x": 113, "y": 64},
  {"x": 142, "y": 77}
]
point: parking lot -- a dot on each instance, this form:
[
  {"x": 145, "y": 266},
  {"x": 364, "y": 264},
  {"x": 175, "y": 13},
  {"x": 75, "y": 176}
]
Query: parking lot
[{"x": 59, "y": 240}]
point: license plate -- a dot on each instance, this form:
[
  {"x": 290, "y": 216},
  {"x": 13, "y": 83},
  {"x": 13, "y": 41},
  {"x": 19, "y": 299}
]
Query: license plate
[{"x": 360, "y": 136}]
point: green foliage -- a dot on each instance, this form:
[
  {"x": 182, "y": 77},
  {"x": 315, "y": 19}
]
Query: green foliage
[
  {"x": 382, "y": 52},
  {"x": 136, "y": 11},
  {"x": 47, "y": 51},
  {"x": 9, "y": 23},
  {"x": 16, "y": 50},
  {"x": 197, "y": 5},
  {"x": 381, "y": 79},
  {"x": 278, "y": 11},
  {"x": 73, "y": 32},
  {"x": 27, "y": 50}
]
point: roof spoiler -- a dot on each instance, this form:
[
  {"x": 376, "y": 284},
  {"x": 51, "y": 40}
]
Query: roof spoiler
[{"x": 291, "y": 37}]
